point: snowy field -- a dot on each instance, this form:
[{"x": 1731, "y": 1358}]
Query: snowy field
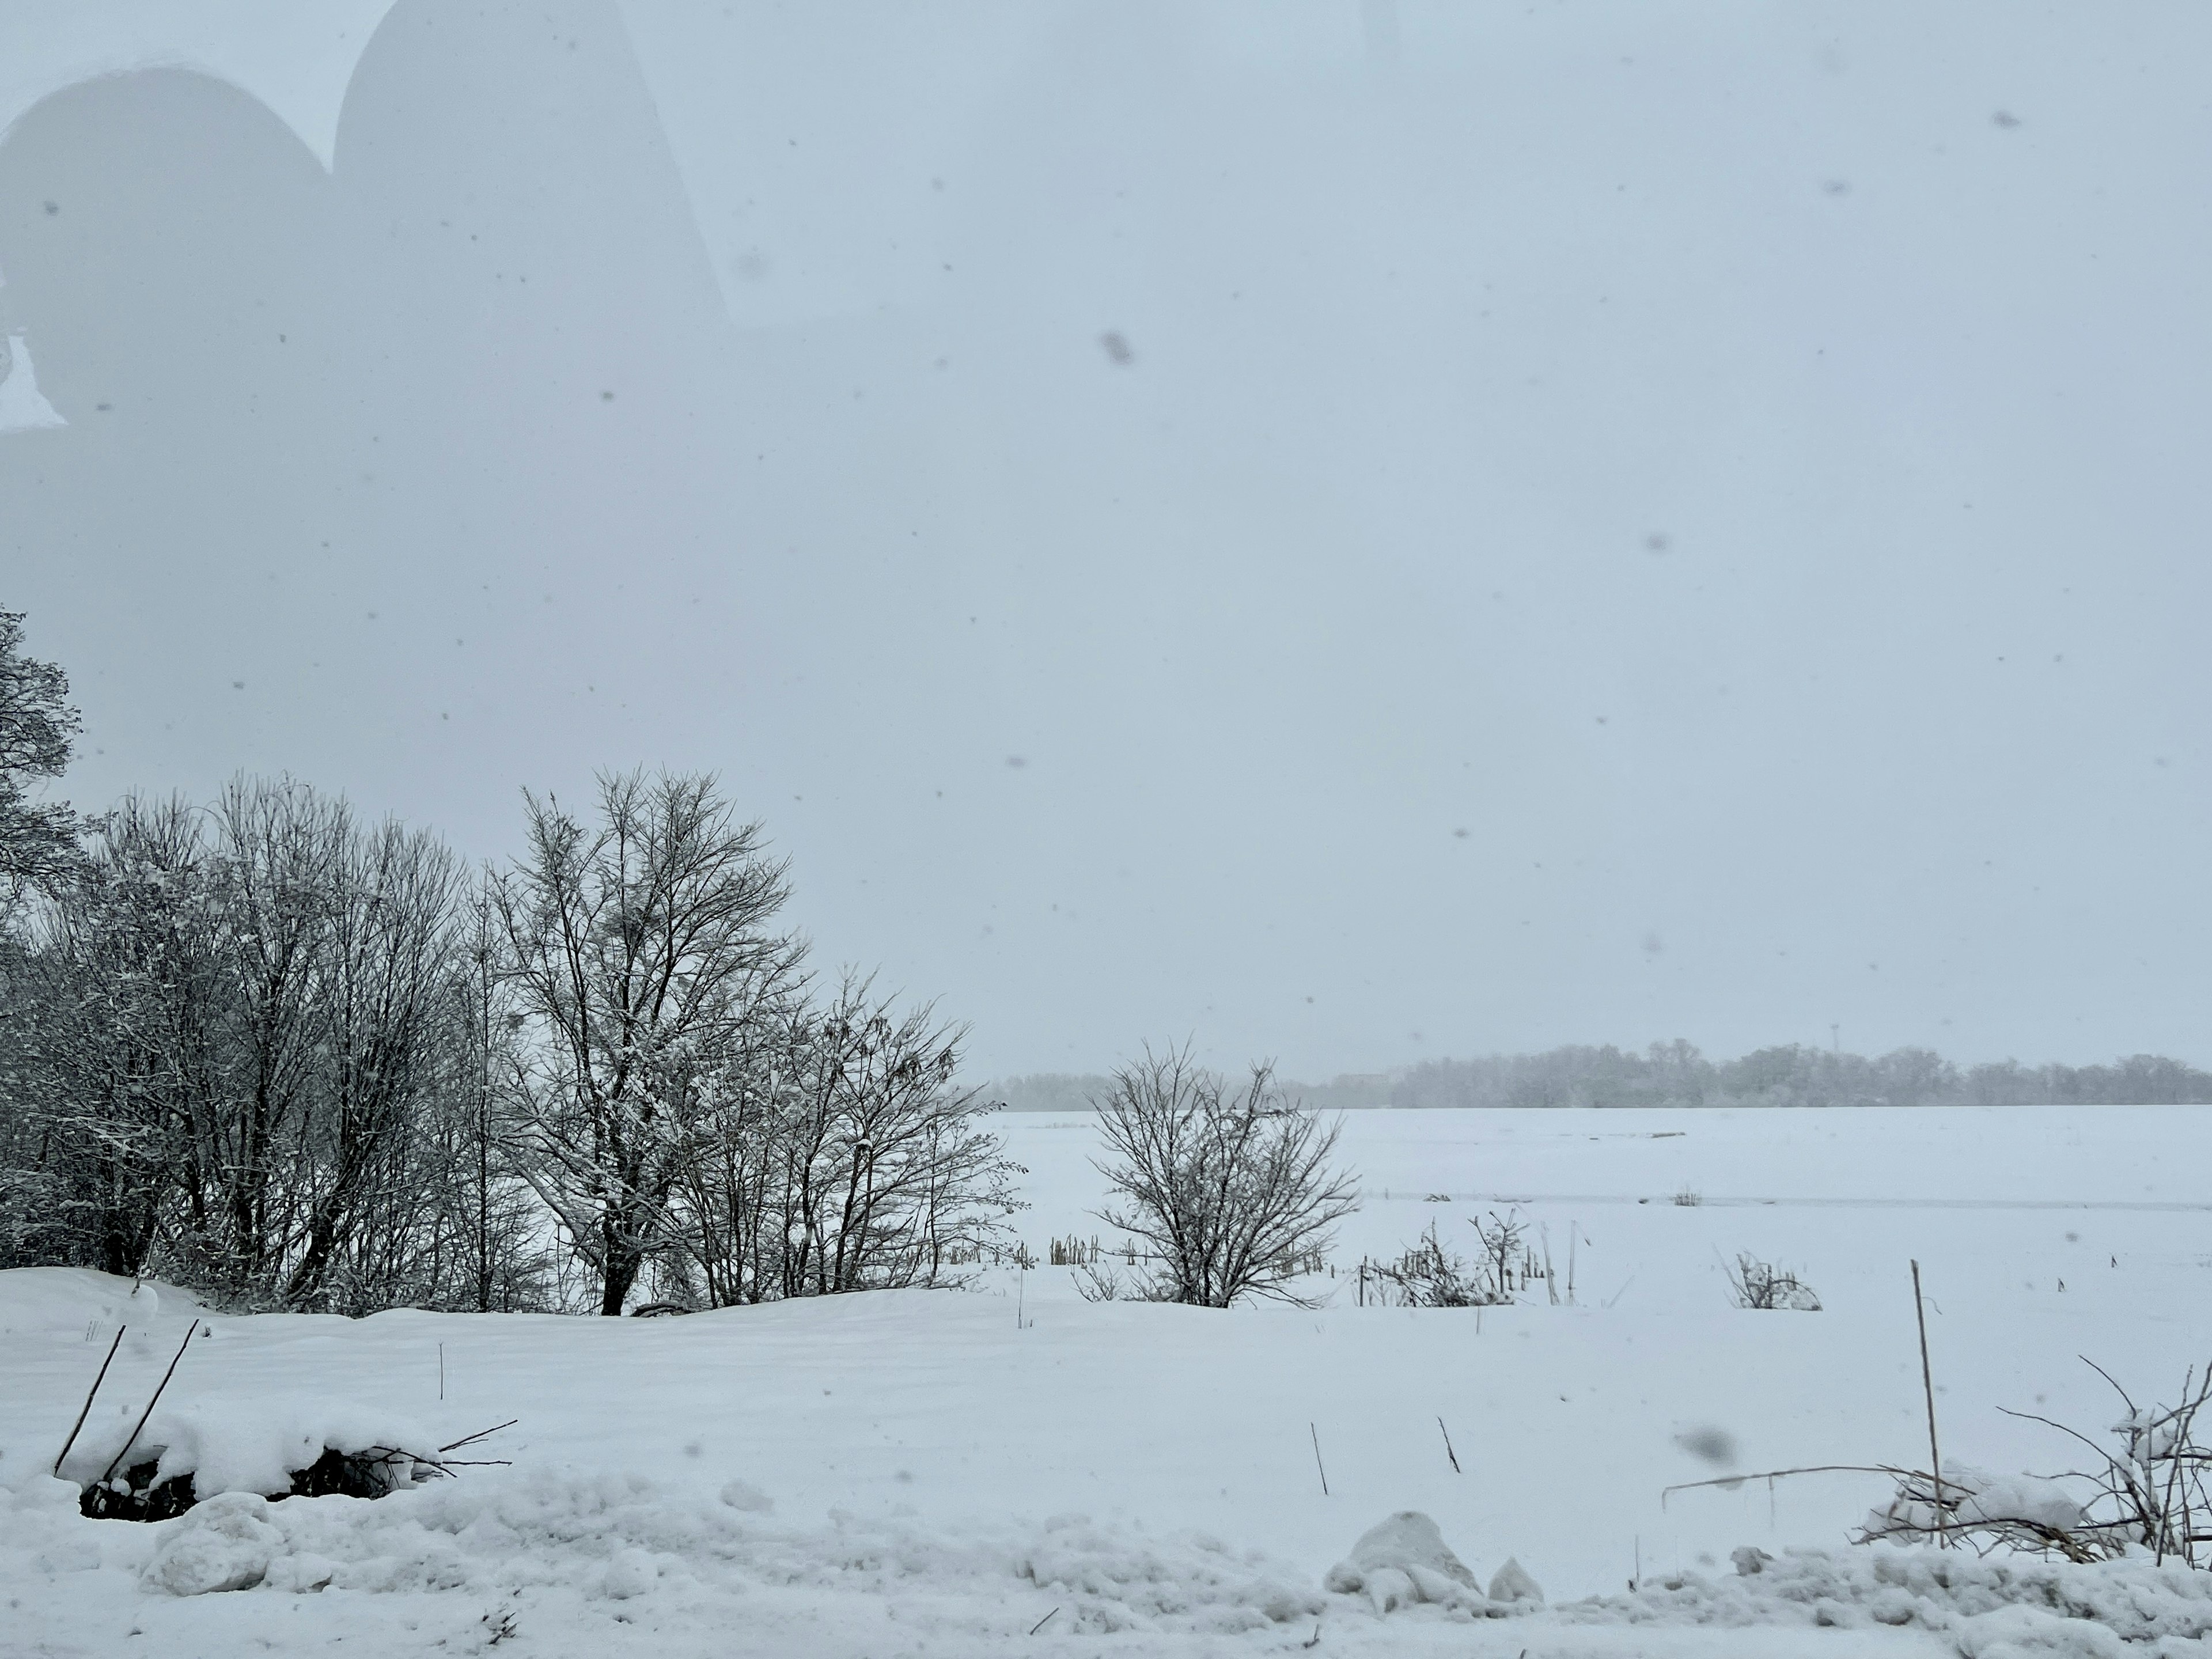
[{"x": 938, "y": 1472}]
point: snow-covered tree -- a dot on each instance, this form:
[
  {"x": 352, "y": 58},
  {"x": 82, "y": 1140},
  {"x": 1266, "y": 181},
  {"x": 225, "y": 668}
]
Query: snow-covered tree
[
  {"x": 37, "y": 841},
  {"x": 233, "y": 1054},
  {"x": 642, "y": 963},
  {"x": 1228, "y": 1190},
  {"x": 842, "y": 1153}
]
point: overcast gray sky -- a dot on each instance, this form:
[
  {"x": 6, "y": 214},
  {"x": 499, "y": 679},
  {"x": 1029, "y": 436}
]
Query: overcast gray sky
[{"x": 1357, "y": 532}]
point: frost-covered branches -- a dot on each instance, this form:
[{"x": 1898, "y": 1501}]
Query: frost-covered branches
[
  {"x": 239, "y": 1034},
  {"x": 1761, "y": 1284},
  {"x": 685, "y": 1110},
  {"x": 2152, "y": 1495},
  {"x": 641, "y": 959},
  {"x": 38, "y": 843},
  {"x": 1229, "y": 1191},
  {"x": 294, "y": 1061},
  {"x": 842, "y": 1154},
  {"x": 1427, "y": 1275}
]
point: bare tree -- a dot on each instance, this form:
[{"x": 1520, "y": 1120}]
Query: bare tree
[
  {"x": 1229, "y": 1191},
  {"x": 840, "y": 1154},
  {"x": 37, "y": 843},
  {"x": 385, "y": 1051},
  {"x": 112, "y": 1021},
  {"x": 910, "y": 1176},
  {"x": 108, "y": 998},
  {"x": 641, "y": 956},
  {"x": 234, "y": 1031},
  {"x": 493, "y": 1214}
]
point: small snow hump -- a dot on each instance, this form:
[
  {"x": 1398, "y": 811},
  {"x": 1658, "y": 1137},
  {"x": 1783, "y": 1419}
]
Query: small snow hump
[
  {"x": 224, "y": 1544},
  {"x": 1402, "y": 1560},
  {"x": 1511, "y": 1582},
  {"x": 739, "y": 1495}
]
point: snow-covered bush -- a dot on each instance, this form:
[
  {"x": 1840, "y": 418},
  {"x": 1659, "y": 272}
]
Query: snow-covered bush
[
  {"x": 1427, "y": 1275},
  {"x": 302, "y": 1447},
  {"x": 1230, "y": 1191},
  {"x": 2151, "y": 1497},
  {"x": 1756, "y": 1284}
]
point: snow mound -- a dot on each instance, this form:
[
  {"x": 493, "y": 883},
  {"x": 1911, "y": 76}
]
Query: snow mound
[
  {"x": 1981, "y": 1499},
  {"x": 616, "y": 1538},
  {"x": 224, "y": 1544},
  {"x": 743, "y": 1495},
  {"x": 1511, "y": 1582},
  {"x": 251, "y": 1445},
  {"x": 1404, "y": 1561},
  {"x": 55, "y": 1301},
  {"x": 1994, "y": 1608}
]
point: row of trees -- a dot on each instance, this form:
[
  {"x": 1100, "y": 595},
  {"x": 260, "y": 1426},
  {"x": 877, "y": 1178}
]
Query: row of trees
[
  {"x": 299, "y": 1061},
  {"x": 1677, "y": 1074}
]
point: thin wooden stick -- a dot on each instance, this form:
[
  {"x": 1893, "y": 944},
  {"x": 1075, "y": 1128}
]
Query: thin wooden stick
[
  {"x": 1042, "y": 1622},
  {"x": 1449, "y": 1452},
  {"x": 469, "y": 1440},
  {"x": 1317, "y": 1462},
  {"x": 191, "y": 1331},
  {"x": 1732, "y": 1481},
  {"x": 95, "y": 1389},
  {"x": 1927, "y": 1388}
]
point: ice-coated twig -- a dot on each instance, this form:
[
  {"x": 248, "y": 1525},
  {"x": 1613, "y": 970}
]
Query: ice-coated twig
[
  {"x": 1776, "y": 1474},
  {"x": 470, "y": 1439}
]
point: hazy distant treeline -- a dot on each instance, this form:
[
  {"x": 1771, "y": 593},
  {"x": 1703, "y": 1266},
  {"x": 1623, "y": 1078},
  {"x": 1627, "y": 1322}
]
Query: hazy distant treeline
[{"x": 1677, "y": 1074}]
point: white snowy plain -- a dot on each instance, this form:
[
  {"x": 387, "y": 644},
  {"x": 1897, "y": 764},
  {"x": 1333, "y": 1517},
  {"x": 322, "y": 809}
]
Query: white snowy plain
[{"x": 1014, "y": 1469}]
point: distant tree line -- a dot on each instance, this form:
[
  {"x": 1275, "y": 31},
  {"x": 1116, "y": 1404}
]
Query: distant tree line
[
  {"x": 295, "y": 1059},
  {"x": 1677, "y": 1074},
  {"x": 1794, "y": 1074}
]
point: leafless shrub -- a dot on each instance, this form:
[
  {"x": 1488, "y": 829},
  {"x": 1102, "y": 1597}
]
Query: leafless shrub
[
  {"x": 1231, "y": 1192},
  {"x": 1756, "y": 1284},
  {"x": 2152, "y": 1494},
  {"x": 1102, "y": 1281},
  {"x": 1502, "y": 1248},
  {"x": 1428, "y": 1275}
]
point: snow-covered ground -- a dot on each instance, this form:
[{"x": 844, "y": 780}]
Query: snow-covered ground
[{"x": 938, "y": 1472}]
